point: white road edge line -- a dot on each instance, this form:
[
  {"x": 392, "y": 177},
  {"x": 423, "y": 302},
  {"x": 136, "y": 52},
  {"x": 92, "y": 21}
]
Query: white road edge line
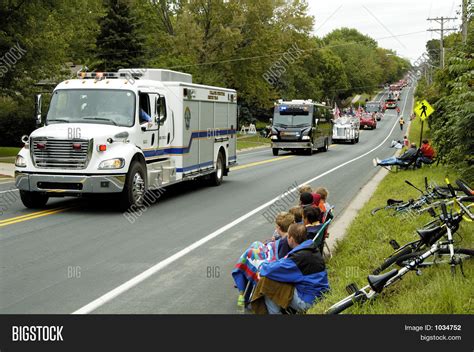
[
  {"x": 164, "y": 263},
  {"x": 10, "y": 190}
]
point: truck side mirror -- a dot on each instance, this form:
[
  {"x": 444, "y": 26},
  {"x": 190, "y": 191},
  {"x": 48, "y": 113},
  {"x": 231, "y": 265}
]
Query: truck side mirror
[
  {"x": 157, "y": 111},
  {"x": 38, "y": 100}
]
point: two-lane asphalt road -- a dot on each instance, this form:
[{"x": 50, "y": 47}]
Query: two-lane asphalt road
[{"x": 84, "y": 256}]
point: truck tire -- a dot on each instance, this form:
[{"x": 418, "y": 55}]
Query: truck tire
[
  {"x": 275, "y": 151},
  {"x": 135, "y": 187},
  {"x": 357, "y": 139},
  {"x": 218, "y": 175},
  {"x": 33, "y": 200},
  {"x": 325, "y": 147}
]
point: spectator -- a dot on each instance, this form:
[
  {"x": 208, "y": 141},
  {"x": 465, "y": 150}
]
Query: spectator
[
  {"x": 427, "y": 153},
  {"x": 305, "y": 189},
  {"x": 297, "y": 212},
  {"x": 249, "y": 262},
  {"x": 295, "y": 281},
  {"x": 306, "y": 198},
  {"x": 316, "y": 200},
  {"x": 312, "y": 221},
  {"x": 402, "y": 160},
  {"x": 406, "y": 142},
  {"x": 396, "y": 144},
  {"x": 323, "y": 192},
  {"x": 427, "y": 150}
]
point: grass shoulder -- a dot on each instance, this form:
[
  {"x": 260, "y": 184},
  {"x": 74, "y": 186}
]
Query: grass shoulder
[{"x": 366, "y": 245}]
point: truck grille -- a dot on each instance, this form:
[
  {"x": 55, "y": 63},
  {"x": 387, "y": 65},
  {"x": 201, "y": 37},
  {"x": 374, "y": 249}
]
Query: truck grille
[
  {"x": 289, "y": 136},
  {"x": 341, "y": 132},
  {"x": 61, "y": 153}
]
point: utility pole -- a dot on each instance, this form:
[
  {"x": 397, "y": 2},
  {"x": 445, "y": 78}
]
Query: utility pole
[
  {"x": 465, "y": 18},
  {"x": 441, "y": 20}
]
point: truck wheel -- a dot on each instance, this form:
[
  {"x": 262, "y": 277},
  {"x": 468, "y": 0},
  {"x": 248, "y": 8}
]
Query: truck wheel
[
  {"x": 33, "y": 200},
  {"x": 135, "y": 187},
  {"x": 357, "y": 139},
  {"x": 218, "y": 175},
  {"x": 325, "y": 147},
  {"x": 275, "y": 151}
]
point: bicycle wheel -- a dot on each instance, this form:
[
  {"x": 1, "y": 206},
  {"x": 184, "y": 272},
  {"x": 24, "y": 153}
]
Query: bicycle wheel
[
  {"x": 393, "y": 259},
  {"x": 340, "y": 307},
  {"x": 443, "y": 256},
  {"x": 375, "y": 210}
]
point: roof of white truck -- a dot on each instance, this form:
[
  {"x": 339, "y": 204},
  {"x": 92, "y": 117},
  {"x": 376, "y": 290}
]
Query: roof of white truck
[{"x": 130, "y": 84}]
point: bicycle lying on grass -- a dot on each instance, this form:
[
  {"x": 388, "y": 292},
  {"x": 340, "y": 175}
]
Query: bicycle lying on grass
[
  {"x": 430, "y": 194},
  {"x": 432, "y": 241}
]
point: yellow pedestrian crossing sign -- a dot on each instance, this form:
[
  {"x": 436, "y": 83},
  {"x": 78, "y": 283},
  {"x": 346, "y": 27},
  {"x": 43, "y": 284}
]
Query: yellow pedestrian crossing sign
[{"x": 423, "y": 110}]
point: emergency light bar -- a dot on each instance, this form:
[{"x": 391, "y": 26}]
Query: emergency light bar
[{"x": 108, "y": 75}]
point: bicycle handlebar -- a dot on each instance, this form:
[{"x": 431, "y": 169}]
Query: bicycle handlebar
[{"x": 412, "y": 185}]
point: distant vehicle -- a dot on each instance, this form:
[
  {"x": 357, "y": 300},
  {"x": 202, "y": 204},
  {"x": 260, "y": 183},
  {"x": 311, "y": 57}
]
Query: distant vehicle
[
  {"x": 368, "y": 121},
  {"x": 346, "y": 129},
  {"x": 375, "y": 107},
  {"x": 301, "y": 125},
  {"x": 396, "y": 86},
  {"x": 390, "y": 103}
]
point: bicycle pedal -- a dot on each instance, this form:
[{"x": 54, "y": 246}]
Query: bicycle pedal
[
  {"x": 352, "y": 288},
  {"x": 394, "y": 244}
]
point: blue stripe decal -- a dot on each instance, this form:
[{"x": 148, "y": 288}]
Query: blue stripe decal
[
  {"x": 194, "y": 135},
  {"x": 194, "y": 167}
]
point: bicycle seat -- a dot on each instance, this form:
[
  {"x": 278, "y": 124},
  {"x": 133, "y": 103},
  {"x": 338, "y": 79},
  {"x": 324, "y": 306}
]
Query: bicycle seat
[
  {"x": 394, "y": 201},
  {"x": 430, "y": 236},
  {"x": 377, "y": 282}
]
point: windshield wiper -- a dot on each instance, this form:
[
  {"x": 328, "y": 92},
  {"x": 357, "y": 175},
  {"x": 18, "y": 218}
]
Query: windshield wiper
[
  {"x": 302, "y": 125},
  {"x": 58, "y": 120},
  {"x": 100, "y": 119}
]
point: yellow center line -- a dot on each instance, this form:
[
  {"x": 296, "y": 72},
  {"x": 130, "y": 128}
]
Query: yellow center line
[
  {"x": 245, "y": 166},
  {"x": 32, "y": 216}
]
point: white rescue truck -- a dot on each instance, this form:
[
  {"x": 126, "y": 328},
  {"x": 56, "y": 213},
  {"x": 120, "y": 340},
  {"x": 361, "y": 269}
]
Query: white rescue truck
[{"x": 126, "y": 133}]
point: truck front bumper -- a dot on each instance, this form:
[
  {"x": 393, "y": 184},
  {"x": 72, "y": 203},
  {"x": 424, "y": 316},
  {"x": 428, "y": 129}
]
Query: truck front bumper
[
  {"x": 292, "y": 145},
  {"x": 69, "y": 184}
]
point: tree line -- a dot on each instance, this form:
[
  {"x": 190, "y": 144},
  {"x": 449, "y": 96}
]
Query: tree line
[
  {"x": 235, "y": 43},
  {"x": 451, "y": 94}
]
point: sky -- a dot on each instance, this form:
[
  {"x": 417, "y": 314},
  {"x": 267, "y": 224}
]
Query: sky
[{"x": 386, "y": 20}]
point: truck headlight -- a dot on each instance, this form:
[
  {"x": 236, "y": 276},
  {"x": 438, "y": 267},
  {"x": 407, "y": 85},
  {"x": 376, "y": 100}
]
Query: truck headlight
[
  {"x": 274, "y": 137},
  {"x": 20, "y": 161},
  {"x": 306, "y": 138},
  {"x": 112, "y": 164}
]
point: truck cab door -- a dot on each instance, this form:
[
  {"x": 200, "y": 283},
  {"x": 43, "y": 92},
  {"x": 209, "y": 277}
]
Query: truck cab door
[
  {"x": 148, "y": 129},
  {"x": 166, "y": 122}
]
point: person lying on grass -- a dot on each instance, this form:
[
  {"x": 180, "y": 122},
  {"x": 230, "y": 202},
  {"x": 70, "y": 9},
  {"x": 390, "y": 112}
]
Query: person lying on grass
[
  {"x": 247, "y": 266},
  {"x": 295, "y": 281}
]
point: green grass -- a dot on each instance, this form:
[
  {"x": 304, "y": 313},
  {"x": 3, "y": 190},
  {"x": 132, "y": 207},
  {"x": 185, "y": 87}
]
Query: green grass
[
  {"x": 9, "y": 151},
  {"x": 251, "y": 141},
  {"x": 8, "y": 154},
  {"x": 366, "y": 245},
  {"x": 415, "y": 130}
]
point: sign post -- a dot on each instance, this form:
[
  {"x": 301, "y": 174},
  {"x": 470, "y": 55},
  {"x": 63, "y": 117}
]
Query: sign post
[{"x": 423, "y": 110}]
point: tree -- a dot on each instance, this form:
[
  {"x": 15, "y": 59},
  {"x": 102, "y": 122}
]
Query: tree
[{"x": 118, "y": 45}]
